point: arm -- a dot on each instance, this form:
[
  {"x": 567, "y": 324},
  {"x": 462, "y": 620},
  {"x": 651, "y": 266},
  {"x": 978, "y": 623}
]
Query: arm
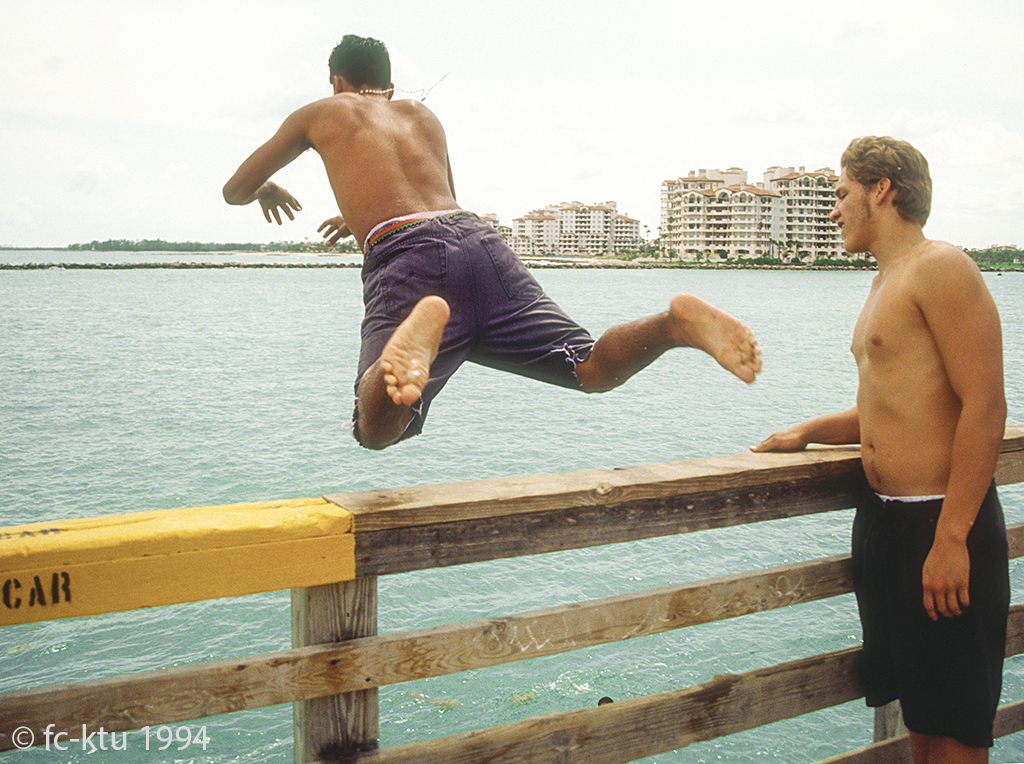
[
  {"x": 838, "y": 429},
  {"x": 251, "y": 181},
  {"x": 964, "y": 322}
]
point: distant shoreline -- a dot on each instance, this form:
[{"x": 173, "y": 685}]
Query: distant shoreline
[{"x": 546, "y": 264}]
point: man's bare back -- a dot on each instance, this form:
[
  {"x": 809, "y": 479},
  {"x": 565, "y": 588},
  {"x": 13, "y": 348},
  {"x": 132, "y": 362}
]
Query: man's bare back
[{"x": 384, "y": 159}]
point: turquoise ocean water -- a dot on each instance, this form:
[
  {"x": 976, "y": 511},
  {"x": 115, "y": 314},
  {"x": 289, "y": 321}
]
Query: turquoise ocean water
[{"x": 132, "y": 390}]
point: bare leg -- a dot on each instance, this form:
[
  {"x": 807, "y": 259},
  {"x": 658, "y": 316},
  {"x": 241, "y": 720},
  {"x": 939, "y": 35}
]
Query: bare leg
[
  {"x": 396, "y": 380},
  {"x": 927, "y": 749},
  {"x": 625, "y": 349}
]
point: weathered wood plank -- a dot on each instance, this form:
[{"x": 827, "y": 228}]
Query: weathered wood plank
[
  {"x": 341, "y": 724},
  {"x": 457, "y": 541},
  {"x": 895, "y": 750},
  {"x": 109, "y": 564},
  {"x": 401, "y": 508},
  {"x": 1009, "y": 719},
  {"x": 1010, "y": 468},
  {"x": 611, "y": 734},
  {"x": 407, "y": 529},
  {"x": 394, "y": 508}
]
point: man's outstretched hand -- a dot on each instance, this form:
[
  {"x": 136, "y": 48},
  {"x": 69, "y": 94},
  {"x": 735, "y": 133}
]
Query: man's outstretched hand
[
  {"x": 334, "y": 229},
  {"x": 273, "y": 200}
]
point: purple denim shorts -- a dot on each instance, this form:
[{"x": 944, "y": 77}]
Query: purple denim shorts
[{"x": 500, "y": 316}]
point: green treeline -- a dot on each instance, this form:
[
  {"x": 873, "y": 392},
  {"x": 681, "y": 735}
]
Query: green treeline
[
  {"x": 159, "y": 245},
  {"x": 998, "y": 257}
]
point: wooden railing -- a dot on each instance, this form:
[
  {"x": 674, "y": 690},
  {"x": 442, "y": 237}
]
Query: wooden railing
[{"x": 330, "y": 551}]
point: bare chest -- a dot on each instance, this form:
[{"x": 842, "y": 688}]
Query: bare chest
[{"x": 890, "y": 325}]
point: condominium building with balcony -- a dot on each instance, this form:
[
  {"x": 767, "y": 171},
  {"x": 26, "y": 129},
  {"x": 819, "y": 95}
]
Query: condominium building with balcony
[
  {"x": 718, "y": 215},
  {"x": 574, "y": 228},
  {"x": 626, "y": 234},
  {"x": 535, "y": 234}
]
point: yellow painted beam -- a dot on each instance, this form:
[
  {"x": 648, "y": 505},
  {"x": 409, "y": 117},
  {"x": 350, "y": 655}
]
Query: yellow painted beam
[{"x": 110, "y": 564}]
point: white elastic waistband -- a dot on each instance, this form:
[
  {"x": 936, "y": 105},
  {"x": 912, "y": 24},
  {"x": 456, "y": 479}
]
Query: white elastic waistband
[{"x": 910, "y": 499}]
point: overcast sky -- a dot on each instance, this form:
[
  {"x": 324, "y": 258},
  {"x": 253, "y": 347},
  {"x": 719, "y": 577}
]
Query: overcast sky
[{"x": 124, "y": 119}]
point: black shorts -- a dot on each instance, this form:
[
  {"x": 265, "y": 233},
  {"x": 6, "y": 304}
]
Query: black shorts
[{"x": 947, "y": 674}]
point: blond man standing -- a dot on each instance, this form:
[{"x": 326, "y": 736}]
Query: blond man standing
[{"x": 929, "y": 543}]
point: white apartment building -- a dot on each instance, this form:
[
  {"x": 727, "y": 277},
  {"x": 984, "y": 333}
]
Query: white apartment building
[
  {"x": 716, "y": 215},
  {"x": 535, "y": 234},
  {"x": 626, "y": 234},
  {"x": 574, "y": 228},
  {"x": 809, "y": 199}
]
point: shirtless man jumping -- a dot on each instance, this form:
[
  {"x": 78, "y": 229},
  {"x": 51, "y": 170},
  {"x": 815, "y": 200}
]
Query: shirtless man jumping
[
  {"x": 439, "y": 285},
  {"x": 929, "y": 544}
]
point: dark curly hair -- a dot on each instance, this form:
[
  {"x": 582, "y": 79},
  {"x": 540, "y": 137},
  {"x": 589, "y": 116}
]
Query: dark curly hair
[{"x": 363, "y": 61}]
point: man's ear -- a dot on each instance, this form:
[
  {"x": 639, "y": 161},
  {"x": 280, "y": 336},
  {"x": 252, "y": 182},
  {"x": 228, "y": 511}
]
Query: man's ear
[
  {"x": 391, "y": 90},
  {"x": 882, "y": 190}
]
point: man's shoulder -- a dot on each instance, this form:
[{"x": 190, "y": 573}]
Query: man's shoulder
[
  {"x": 937, "y": 250},
  {"x": 332, "y": 106},
  {"x": 943, "y": 270},
  {"x": 942, "y": 260},
  {"x": 412, "y": 107},
  {"x": 355, "y": 106}
]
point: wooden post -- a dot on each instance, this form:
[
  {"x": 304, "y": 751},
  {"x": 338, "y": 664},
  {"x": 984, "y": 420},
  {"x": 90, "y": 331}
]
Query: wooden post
[
  {"x": 889, "y": 722},
  {"x": 333, "y": 726}
]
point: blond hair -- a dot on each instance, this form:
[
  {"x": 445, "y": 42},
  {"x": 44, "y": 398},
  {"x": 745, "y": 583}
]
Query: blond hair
[{"x": 870, "y": 158}]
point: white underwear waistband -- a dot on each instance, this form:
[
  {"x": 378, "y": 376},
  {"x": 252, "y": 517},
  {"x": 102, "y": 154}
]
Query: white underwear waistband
[{"x": 910, "y": 499}]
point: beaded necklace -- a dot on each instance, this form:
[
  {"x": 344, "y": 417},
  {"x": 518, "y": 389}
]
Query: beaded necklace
[{"x": 391, "y": 90}]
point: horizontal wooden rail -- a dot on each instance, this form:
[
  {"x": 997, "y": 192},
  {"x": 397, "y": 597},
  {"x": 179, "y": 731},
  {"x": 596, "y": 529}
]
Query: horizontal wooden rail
[
  {"x": 404, "y": 529},
  {"x": 1009, "y": 719},
  {"x": 611, "y": 734}
]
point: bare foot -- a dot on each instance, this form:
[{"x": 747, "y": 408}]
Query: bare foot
[
  {"x": 729, "y": 341},
  {"x": 406, "y": 358}
]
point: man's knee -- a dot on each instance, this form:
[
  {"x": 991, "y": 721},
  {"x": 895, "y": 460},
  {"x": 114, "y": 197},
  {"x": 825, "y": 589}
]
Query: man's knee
[
  {"x": 371, "y": 436},
  {"x": 374, "y": 445},
  {"x": 374, "y": 440},
  {"x": 593, "y": 380},
  {"x": 594, "y": 387}
]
